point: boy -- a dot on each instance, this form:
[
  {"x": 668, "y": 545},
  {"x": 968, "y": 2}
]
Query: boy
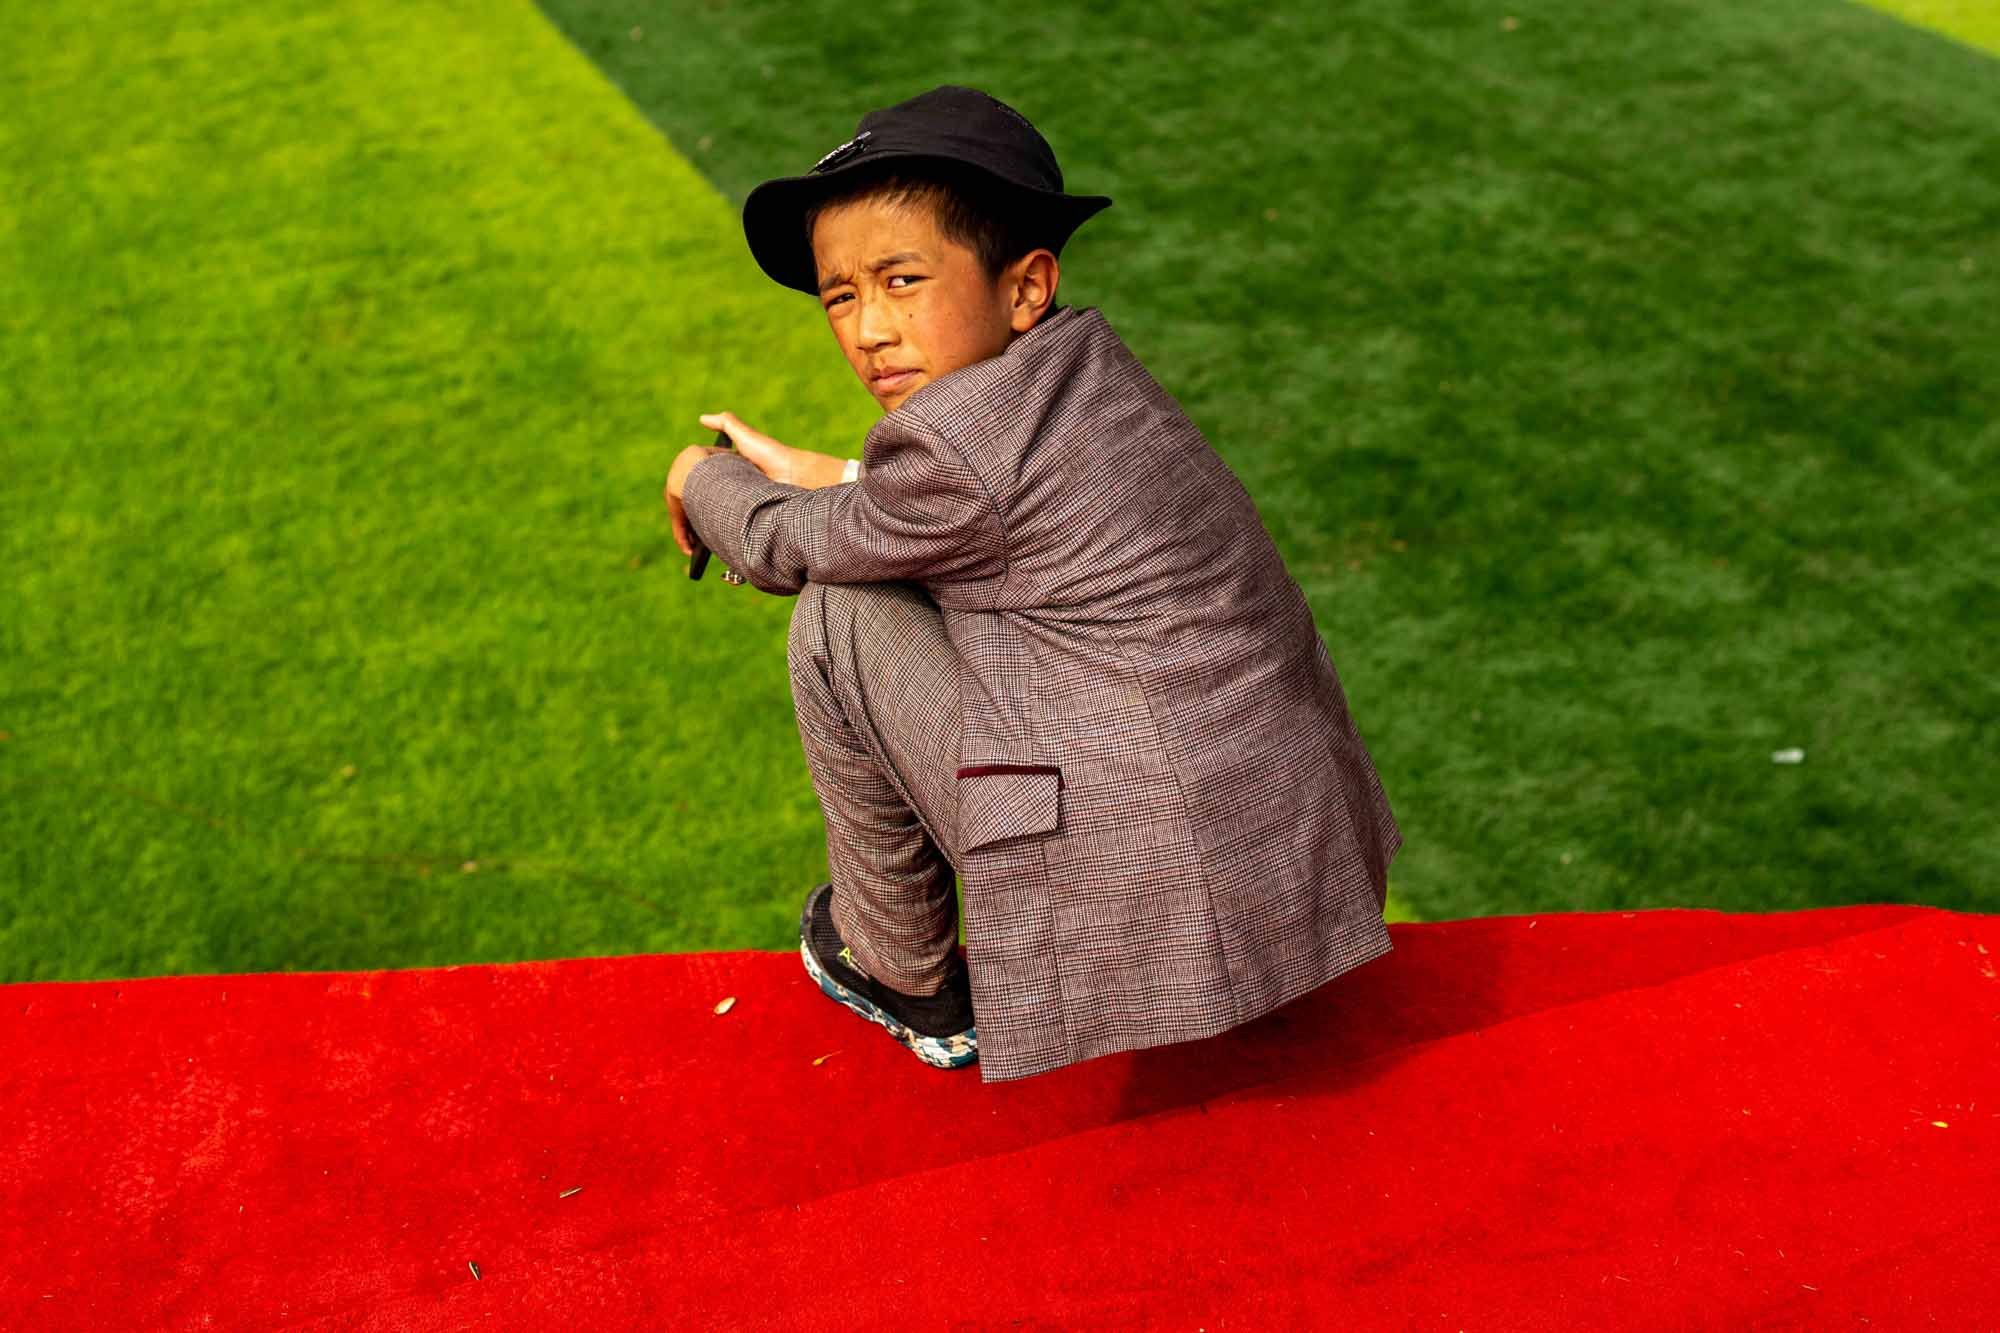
[{"x": 1042, "y": 637}]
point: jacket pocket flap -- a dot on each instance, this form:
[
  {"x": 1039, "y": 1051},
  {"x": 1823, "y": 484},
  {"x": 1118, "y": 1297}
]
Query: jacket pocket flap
[{"x": 998, "y": 801}]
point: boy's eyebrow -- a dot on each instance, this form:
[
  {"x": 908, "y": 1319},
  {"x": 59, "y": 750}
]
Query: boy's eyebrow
[{"x": 900, "y": 257}]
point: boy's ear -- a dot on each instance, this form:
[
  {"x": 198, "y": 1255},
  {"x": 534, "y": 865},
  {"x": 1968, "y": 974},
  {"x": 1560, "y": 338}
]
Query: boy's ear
[{"x": 1032, "y": 279}]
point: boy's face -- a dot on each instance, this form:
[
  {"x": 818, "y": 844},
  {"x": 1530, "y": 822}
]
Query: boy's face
[{"x": 928, "y": 312}]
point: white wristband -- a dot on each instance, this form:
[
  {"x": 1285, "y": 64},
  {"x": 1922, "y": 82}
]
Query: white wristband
[{"x": 852, "y": 470}]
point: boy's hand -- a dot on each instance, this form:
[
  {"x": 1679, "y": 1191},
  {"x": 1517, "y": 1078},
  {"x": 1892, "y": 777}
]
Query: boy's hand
[
  {"x": 677, "y": 477},
  {"x": 779, "y": 462}
]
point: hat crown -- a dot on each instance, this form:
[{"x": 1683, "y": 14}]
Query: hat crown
[{"x": 954, "y": 121}]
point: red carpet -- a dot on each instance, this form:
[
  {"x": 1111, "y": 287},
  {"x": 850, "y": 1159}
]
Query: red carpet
[{"x": 1661, "y": 1119}]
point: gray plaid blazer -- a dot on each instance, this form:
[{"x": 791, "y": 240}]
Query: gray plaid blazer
[{"x": 1169, "y": 822}]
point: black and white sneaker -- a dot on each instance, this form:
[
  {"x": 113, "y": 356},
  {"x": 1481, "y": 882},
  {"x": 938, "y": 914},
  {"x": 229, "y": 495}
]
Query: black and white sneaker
[{"x": 939, "y": 1028}]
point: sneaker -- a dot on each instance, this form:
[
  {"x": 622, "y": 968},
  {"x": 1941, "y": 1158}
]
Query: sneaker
[{"x": 939, "y": 1028}]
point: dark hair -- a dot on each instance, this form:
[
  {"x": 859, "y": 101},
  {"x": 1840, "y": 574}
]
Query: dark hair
[{"x": 989, "y": 217}]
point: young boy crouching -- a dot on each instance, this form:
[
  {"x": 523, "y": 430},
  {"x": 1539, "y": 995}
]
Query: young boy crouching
[{"x": 1043, "y": 640}]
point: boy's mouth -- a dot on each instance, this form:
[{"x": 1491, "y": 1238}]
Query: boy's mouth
[{"x": 892, "y": 381}]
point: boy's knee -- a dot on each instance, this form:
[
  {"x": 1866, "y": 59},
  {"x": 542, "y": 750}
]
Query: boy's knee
[
  {"x": 828, "y": 612},
  {"x": 805, "y": 641}
]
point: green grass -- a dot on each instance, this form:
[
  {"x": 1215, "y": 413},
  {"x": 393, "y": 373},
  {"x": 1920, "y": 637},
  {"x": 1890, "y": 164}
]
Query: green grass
[
  {"x": 1620, "y": 387},
  {"x": 1973, "y": 21},
  {"x": 346, "y": 352}
]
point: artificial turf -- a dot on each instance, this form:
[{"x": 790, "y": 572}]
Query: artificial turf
[
  {"x": 1618, "y": 384},
  {"x": 1975, "y": 22},
  {"x": 346, "y": 350}
]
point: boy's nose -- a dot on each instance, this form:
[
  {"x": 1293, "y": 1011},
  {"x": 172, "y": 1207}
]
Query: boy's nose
[{"x": 873, "y": 326}]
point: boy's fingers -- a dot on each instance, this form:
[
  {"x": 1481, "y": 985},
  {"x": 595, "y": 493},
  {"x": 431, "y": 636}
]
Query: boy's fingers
[
  {"x": 739, "y": 434},
  {"x": 768, "y": 456},
  {"x": 682, "y": 536}
]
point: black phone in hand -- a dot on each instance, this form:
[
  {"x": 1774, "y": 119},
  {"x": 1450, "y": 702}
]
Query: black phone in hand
[{"x": 700, "y": 560}]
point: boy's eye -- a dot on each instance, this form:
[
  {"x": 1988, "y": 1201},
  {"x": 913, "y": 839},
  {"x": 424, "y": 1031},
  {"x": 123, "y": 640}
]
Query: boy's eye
[{"x": 913, "y": 277}]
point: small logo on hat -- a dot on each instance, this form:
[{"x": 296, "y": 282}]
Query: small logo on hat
[{"x": 845, "y": 151}]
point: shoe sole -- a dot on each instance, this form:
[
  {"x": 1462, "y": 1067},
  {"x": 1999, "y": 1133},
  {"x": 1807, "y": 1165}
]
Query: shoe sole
[{"x": 952, "y": 1052}]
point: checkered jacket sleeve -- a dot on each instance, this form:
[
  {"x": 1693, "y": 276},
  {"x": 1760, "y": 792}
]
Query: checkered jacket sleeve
[{"x": 918, "y": 511}]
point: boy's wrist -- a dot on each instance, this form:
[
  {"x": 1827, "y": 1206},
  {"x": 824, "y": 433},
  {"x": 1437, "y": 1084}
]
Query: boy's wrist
[{"x": 852, "y": 470}]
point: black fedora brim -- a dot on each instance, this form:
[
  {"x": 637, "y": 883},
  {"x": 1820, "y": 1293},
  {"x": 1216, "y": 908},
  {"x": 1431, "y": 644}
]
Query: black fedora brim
[{"x": 774, "y": 214}]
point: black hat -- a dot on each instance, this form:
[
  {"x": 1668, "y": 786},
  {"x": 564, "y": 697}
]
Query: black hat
[{"x": 949, "y": 124}]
